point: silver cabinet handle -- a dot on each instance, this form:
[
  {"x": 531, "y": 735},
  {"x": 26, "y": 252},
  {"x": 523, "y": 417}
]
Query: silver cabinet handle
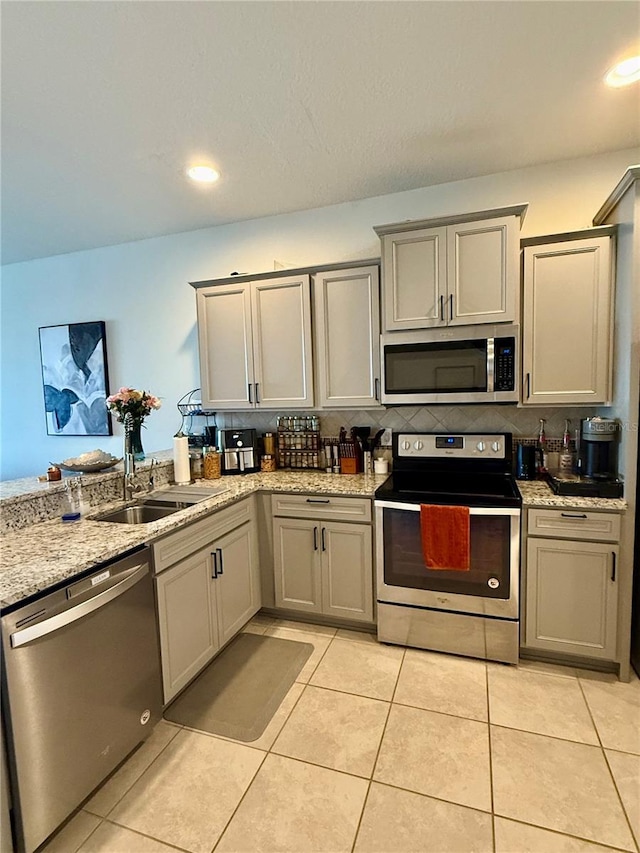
[{"x": 73, "y": 614}]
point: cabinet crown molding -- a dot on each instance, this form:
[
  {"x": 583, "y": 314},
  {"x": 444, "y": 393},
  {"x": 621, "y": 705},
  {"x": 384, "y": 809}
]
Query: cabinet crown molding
[
  {"x": 441, "y": 221},
  {"x": 246, "y": 277}
]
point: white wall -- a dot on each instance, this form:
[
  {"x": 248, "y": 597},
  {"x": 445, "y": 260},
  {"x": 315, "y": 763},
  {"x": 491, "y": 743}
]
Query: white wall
[{"x": 140, "y": 289}]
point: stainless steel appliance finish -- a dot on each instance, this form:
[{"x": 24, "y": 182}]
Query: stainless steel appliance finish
[
  {"x": 472, "y": 613},
  {"x": 81, "y": 688},
  {"x": 470, "y": 364},
  {"x": 239, "y": 451}
]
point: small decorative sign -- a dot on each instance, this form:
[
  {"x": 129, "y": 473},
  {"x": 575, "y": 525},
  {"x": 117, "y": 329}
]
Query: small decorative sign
[{"x": 74, "y": 375}]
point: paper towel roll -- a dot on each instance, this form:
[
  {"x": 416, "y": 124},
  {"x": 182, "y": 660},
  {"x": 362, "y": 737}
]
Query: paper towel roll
[{"x": 181, "y": 469}]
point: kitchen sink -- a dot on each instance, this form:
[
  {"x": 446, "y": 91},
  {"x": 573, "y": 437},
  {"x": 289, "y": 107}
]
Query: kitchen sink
[
  {"x": 140, "y": 514},
  {"x": 161, "y": 503}
]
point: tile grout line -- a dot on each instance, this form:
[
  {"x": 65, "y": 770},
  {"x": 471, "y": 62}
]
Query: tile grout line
[
  {"x": 138, "y": 778},
  {"x": 143, "y": 835},
  {"x": 266, "y": 755},
  {"x": 564, "y": 834},
  {"x": 493, "y": 814},
  {"x": 377, "y": 755},
  {"x": 635, "y": 840}
]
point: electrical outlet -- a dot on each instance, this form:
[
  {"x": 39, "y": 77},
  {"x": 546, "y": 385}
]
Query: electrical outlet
[{"x": 385, "y": 441}]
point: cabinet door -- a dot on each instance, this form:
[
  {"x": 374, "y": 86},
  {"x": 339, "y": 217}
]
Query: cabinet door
[
  {"x": 347, "y": 571},
  {"x": 226, "y": 353},
  {"x": 186, "y": 620},
  {"x": 414, "y": 272},
  {"x": 347, "y": 337},
  {"x": 237, "y": 587},
  {"x": 281, "y": 311},
  {"x": 572, "y": 597},
  {"x": 483, "y": 271},
  {"x": 567, "y": 322},
  {"x": 296, "y": 557}
]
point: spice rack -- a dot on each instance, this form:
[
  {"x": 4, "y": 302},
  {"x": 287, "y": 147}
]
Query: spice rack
[{"x": 298, "y": 441}]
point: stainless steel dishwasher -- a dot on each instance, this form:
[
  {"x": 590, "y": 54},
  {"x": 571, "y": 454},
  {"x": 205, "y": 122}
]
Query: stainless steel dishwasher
[{"x": 81, "y": 688}]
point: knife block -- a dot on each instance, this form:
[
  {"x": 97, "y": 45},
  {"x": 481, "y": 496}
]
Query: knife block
[{"x": 349, "y": 465}]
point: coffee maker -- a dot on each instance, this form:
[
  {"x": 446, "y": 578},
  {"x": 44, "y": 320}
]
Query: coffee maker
[
  {"x": 597, "y": 462},
  {"x": 598, "y": 450},
  {"x": 239, "y": 451}
]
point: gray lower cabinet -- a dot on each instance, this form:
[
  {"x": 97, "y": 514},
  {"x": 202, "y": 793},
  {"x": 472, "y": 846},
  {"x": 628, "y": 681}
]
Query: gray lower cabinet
[
  {"x": 572, "y": 597},
  {"x": 323, "y": 567},
  {"x": 204, "y": 599}
]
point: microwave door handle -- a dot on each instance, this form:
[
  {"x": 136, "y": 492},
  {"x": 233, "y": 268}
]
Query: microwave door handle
[{"x": 491, "y": 366}]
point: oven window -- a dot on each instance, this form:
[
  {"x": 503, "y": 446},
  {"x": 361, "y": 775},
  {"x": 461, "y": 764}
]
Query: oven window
[
  {"x": 436, "y": 368},
  {"x": 490, "y": 555}
]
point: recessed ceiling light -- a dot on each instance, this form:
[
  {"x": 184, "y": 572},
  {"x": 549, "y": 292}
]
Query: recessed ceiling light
[
  {"x": 203, "y": 174},
  {"x": 625, "y": 72}
]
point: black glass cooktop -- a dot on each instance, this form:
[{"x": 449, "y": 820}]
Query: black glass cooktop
[{"x": 458, "y": 489}]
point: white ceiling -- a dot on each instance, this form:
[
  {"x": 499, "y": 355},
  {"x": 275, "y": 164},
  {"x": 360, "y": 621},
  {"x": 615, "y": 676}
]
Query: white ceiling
[{"x": 299, "y": 104}]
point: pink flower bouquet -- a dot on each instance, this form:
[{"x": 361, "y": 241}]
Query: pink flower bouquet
[{"x": 138, "y": 404}]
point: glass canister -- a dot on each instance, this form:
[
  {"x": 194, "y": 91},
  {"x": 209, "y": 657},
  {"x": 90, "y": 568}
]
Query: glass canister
[
  {"x": 212, "y": 467},
  {"x": 269, "y": 444},
  {"x": 268, "y": 463}
]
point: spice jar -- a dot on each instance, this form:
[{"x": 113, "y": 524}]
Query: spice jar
[
  {"x": 211, "y": 464},
  {"x": 268, "y": 464}
]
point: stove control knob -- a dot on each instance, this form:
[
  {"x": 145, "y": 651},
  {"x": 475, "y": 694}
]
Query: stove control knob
[
  {"x": 481, "y": 446},
  {"x": 496, "y": 446},
  {"x": 405, "y": 445},
  {"x": 418, "y": 444}
]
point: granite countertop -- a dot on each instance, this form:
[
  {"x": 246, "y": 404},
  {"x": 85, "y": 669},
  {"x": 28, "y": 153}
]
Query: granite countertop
[
  {"x": 42, "y": 555},
  {"x": 538, "y": 493}
]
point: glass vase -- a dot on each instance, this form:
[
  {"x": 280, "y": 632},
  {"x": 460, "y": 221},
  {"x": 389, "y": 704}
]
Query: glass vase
[{"x": 136, "y": 441}]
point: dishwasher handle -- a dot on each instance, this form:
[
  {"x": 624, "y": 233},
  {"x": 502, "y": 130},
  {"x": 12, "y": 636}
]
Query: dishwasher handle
[{"x": 73, "y": 614}]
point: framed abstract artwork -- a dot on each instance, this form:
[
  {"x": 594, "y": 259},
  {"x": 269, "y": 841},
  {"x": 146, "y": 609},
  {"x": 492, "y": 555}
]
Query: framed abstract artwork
[{"x": 75, "y": 379}]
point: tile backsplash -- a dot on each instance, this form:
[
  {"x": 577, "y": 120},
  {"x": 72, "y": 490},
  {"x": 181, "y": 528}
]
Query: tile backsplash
[{"x": 522, "y": 422}]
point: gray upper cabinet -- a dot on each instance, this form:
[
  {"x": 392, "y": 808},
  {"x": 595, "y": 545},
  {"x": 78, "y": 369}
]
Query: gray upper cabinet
[
  {"x": 255, "y": 344},
  {"x": 452, "y": 271},
  {"x": 567, "y": 319},
  {"x": 347, "y": 337}
]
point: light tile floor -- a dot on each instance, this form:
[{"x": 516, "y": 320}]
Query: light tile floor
[{"x": 381, "y": 749}]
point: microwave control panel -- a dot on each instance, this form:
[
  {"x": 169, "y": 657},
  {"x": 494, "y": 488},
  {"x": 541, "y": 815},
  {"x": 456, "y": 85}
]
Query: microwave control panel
[{"x": 505, "y": 364}]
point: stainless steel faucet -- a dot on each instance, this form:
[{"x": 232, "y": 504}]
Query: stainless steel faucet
[{"x": 129, "y": 460}]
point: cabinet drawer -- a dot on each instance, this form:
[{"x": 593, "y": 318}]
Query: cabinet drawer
[
  {"x": 198, "y": 535},
  {"x": 321, "y": 506},
  {"x": 574, "y": 524}
]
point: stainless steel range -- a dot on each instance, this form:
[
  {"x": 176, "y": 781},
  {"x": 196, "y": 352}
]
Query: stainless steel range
[{"x": 474, "y": 612}]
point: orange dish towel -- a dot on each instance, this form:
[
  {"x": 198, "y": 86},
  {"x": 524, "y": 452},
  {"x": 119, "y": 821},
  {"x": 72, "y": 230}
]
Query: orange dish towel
[{"x": 445, "y": 537}]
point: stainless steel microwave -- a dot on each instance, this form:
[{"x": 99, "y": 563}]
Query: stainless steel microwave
[{"x": 470, "y": 364}]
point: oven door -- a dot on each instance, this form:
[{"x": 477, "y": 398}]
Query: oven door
[{"x": 490, "y": 587}]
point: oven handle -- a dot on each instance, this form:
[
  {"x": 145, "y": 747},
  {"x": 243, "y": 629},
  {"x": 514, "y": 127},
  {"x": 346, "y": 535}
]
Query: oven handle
[{"x": 473, "y": 510}]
